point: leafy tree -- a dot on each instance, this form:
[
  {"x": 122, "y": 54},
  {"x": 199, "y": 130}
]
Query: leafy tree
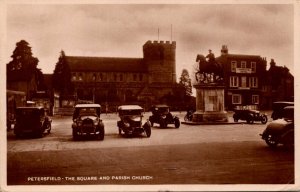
[
  {"x": 185, "y": 81},
  {"x": 62, "y": 76},
  {"x": 22, "y": 57},
  {"x": 25, "y": 64}
]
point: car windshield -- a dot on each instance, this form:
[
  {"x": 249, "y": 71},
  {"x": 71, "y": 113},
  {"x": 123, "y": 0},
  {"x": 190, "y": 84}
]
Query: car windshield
[
  {"x": 288, "y": 114},
  {"x": 163, "y": 110},
  {"x": 25, "y": 113},
  {"x": 88, "y": 111},
  {"x": 130, "y": 112}
]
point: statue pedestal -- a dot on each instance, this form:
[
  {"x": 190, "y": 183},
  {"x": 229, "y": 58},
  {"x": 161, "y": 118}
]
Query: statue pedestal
[{"x": 210, "y": 103}]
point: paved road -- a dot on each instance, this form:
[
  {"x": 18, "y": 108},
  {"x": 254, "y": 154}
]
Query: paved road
[{"x": 206, "y": 154}]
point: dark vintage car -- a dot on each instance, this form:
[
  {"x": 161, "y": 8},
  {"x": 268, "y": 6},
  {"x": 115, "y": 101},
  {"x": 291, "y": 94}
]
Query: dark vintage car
[
  {"x": 281, "y": 131},
  {"x": 278, "y": 109},
  {"x": 249, "y": 115},
  {"x": 161, "y": 115},
  {"x": 86, "y": 121},
  {"x": 131, "y": 121},
  {"x": 32, "y": 120}
]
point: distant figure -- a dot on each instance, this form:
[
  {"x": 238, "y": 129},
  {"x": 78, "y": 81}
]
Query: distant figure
[{"x": 211, "y": 57}]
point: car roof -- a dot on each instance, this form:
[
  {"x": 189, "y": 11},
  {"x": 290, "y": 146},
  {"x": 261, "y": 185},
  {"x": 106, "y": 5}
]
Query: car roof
[
  {"x": 160, "y": 106},
  {"x": 284, "y": 102},
  {"x": 87, "y": 105},
  {"x": 289, "y": 107},
  {"x": 37, "y": 107},
  {"x": 130, "y": 107}
]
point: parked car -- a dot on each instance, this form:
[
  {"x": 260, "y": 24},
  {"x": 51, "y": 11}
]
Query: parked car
[
  {"x": 86, "y": 121},
  {"x": 161, "y": 115},
  {"x": 281, "y": 131},
  {"x": 250, "y": 116},
  {"x": 131, "y": 121},
  {"x": 278, "y": 109},
  {"x": 32, "y": 120}
]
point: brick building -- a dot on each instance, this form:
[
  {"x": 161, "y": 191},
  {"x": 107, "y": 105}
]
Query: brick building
[
  {"x": 243, "y": 77},
  {"x": 147, "y": 80},
  {"x": 278, "y": 85}
]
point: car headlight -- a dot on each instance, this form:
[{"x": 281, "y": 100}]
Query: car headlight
[
  {"x": 164, "y": 116},
  {"x": 126, "y": 124},
  {"x": 79, "y": 122},
  {"x": 95, "y": 121}
]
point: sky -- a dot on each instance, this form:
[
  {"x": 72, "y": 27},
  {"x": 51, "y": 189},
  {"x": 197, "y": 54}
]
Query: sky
[{"x": 120, "y": 30}]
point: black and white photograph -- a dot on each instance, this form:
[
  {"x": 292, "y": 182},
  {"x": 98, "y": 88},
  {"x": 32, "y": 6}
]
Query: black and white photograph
[{"x": 149, "y": 96}]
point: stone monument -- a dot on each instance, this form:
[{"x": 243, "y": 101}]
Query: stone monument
[{"x": 209, "y": 87}]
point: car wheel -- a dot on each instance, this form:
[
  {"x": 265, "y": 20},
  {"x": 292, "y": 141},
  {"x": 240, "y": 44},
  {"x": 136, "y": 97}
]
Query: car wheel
[
  {"x": 152, "y": 123},
  {"x": 235, "y": 118},
  {"x": 186, "y": 118},
  {"x": 147, "y": 130},
  {"x": 18, "y": 135},
  {"x": 264, "y": 119},
  {"x": 250, "y": 120},
  {"x": 120, "y": 131},
  {"x": 101, "y": 134},
  {"x": 162, "y": 124},
  {"x": 75, "y": 135},
  {"x": 271, "y": 141},
  {"x": 177, "y": 123},
  {"x": 49, "y": 128}
]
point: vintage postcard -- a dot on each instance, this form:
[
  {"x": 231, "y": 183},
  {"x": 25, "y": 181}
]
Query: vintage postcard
[{"x": 149, "y": 96}]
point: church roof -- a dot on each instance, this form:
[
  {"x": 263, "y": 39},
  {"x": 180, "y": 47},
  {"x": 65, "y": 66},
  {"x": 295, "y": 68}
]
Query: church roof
[{"x": 106, "y": 64}]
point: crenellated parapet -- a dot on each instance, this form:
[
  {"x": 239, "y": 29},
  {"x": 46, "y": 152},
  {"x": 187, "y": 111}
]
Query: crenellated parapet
[{"x": 160, "y": 43}]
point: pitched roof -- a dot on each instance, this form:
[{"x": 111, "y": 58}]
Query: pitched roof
[
  {"x": 241, "y": 56},
  {"x": 106, "y": 64}
]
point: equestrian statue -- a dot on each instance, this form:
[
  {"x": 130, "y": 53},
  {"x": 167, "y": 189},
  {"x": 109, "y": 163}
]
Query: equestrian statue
[{"x": 209, "y": 70}]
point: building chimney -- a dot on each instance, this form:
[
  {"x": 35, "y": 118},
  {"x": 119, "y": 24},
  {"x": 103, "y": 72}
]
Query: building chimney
[
  {"x": 272, "y": 63},
  {"x": 224, "y": 50}
]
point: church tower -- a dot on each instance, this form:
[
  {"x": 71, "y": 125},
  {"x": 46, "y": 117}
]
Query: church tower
[{"x": 160, "y": 59}]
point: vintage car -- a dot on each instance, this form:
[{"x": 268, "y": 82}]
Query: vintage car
[
  {"x": 32, "y": 120},
  {"x": 278, "y": 109},
  {"x": 161, "y": 115},
  {"x": 281, "y": 131},
  {"x": 86, "y": 121},
  {"x": 131, "y": 121},
  {"x": 249, "y": 115}
]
